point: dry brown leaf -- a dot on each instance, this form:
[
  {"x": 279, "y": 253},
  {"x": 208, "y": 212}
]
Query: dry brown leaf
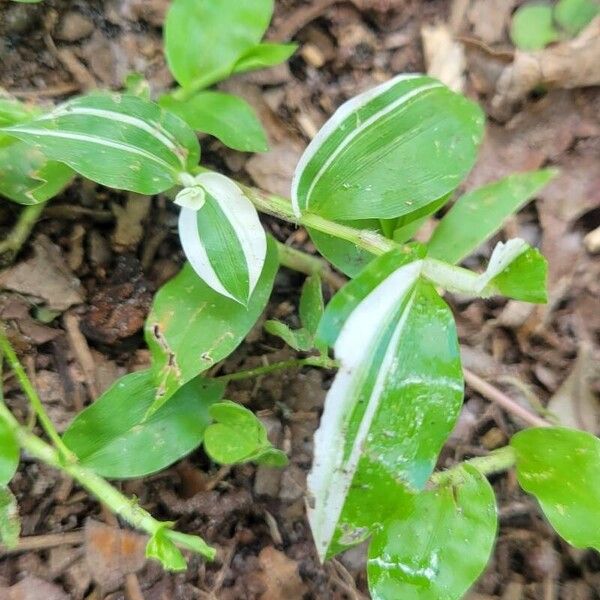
[
  {"x": 33, "y": 588},
  {"x": 273, "y": 170},
  {"x": 490, "y": 19},
  {"x": 129, "y": 229},
  {"x": 45, "y": 276},
  {"x": 569, "y": 65},
  {"x": 279, "y": 576},
  {"x": 444, "y": 56},
  {"x": 112, "y": 553}
]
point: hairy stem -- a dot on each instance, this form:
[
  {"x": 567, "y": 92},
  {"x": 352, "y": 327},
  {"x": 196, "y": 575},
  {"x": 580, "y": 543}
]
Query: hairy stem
[
  {"x": 34, "y": 399},
  {"x": 294, "y": 363},
  {"x": 10, "y": 247},
  {"x": 308, "y": 264}
]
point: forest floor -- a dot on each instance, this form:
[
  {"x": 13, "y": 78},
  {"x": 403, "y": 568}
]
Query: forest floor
[{"x": 78, "y": 293}]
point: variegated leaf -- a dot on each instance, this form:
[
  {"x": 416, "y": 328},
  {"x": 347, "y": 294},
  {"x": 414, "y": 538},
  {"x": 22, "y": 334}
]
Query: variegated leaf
[
  {"x": 223, "y": 240},
  {"x": 389, "y": 152},
  {"x": 119, "y": 141},
  {"x": 392, "y": 404}
]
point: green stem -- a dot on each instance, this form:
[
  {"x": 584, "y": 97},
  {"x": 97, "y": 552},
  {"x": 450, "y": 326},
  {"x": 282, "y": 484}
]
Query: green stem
[
  {"x": 308, "y": 264},
  {"x": 36, "y": 403},
  {"x": 498, "y": 460},
  {"x": 295, "y": 363},
  {"x": 13, "y": 243}
]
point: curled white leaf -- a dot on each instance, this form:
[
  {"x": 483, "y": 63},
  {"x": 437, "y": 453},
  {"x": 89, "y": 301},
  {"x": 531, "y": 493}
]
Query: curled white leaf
[{"x": 191, "y": 197}]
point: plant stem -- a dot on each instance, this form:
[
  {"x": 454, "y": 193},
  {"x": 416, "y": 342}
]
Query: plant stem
[
  {"x": 11, "y": 246},
  {"x": 308, "y": 264},
  {"x": 498, "y": 460},
  {"x": 294, "y": 363},
  {"x": 36, "y": 403}
]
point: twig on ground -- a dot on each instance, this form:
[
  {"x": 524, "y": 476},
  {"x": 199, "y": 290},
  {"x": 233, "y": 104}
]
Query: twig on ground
[{"x": 44, "y": 542}]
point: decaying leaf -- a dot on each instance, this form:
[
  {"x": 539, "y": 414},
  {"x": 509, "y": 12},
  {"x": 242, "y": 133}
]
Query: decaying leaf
[{"x": 444, "y": 56}]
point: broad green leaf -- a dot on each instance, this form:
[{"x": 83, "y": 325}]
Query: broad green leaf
[
  {"x": 532, "y": 27},
  {"x": 228, "y": 118},
  {"x": 391, "y": 406},
  {"x": 119, "y": 141},
  {"x": 205, "y": 39},
  {"x": 312, "y": 306},
  {"x": 114, "y": 437},
  {"x": 9, "y": 453},
  {"x": 298, "y": 339},
  {"x": 238, "y": 436},
  {"x": 191, "y": 327},
  {"x": 12, "y": 111},
  {"x": 162, "y": 549},
  {"x": 560, "y": 467},
  {"x": 437, "y": 545},
  {"x": 263, "y": 56},
  {"x": 223, "y": 239},
  {"x": 574, "y": 15},
  {"x": 478, "y": 215},
  {"x": 10, "y": 523},
  {"x": 389, "y": 152}
]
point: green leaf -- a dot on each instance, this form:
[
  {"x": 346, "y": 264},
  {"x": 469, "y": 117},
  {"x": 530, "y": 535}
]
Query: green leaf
[
  {"x": 532, "y": 27},
  {"x": 392, "y": 404},
  {"x": 222, "y": 236},
  {"x": 560, "y": 468},
  {"x": 10, "y": 523},
  {"x": 193, "y": 543},
  {"x": 161, "y": 548},
  {"x": 228, "y": 118},
  {"x": 239, "y": 437},
  {"x": 119, "y": 141},
  {"x": 299, "y": 339},
  {"x": 191, "y": 327},
  {"x": 312, "y": 306},
  {"x": 9, "y": 453},
  {"x": 478, "y": 215},
  {"x": 114, "y": 437},
  {"x": 389, "y": 152},
  {"x": 12, "y": 111},
  {"x": 136, "y": 84},
  {"x": 574, "y": 15},
  {"x": 205, "y": 39},
  {"x": 438, "y": 545},
  {"x": 263, "y": 56}
]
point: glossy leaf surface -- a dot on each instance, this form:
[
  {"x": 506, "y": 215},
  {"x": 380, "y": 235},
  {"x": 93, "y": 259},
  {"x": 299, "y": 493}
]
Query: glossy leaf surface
[
  {"x": 560, "y": 467},
  {"x": 532, "y": 27},
  {"x": 478, "y": 215},
  {"x": 436, "y": 545},
  {"x": 223, "y": 239},
  {"x": 10, "y": 523},
  {"x": 227, "y": 117},
  {"x": 115, "y": 437},
  {"x": 119, "y": 141},
  {"x": 237, "y": 436},
  {"x": 9, "y": 453},
  {"x": 191, "y": 327},
  {"x": 392, "y": 404},
  {"x": 205, "y": 39},
  {"x": 389, "y": 152},
  {"x": 263, "y": 56}
]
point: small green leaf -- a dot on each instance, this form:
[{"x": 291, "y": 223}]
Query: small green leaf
[
  {"x": 574, "y": 15},
  {"x": 312, "y": 306},
  {"x": 136, "y": 84},
  {"x": 299, "y": 339},
  {"x": 191, "y": 327},
  {"x": 478, "y": 215},
  {"x": 437, "y": 545},
  {"x": 193, "y": 543},
  {"x": 390, "y": 151},
  {"x": 239, "y": 437},
  {"x": 560, "y": 468},
  {"x": 116, "y": 140},
  {"x": 10, "y": 523},
  {"x": 161, "y": 548},
  {"x": 205, "y": 39},
  {"x": 114, "y": 437},
  {"x": 263, "y": 56},
  {"x": 532, "y": 27},
  {"x": 9, "y": 453},
  {"x": 229, "y": 118}
]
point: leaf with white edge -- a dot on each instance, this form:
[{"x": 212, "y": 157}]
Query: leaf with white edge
[
  {"x": 191, "y": 326},
  {"x": 9, "y": 453},
  {"x": 120, "y": 141},
  {"x": 114, "y": 438},
  {"x": 298, "y": 339},
  {"x": 205, "y": 39},
  {"x": 392, "y": 404},
  {"x": 229, "y": 118},
  {"x": 162, "y": 549},
  {"x": 238, "y": 437},
  {"x": 388, "y": 152},
  {"x": 560, "y": 468},
  {"x": 263, "y": 56},
  {"x": 224, "y": 240},
  {"x": 437, "y": 544},
  {"x": 478, "y": 215},
  {"x": 10, "y": 523}
]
